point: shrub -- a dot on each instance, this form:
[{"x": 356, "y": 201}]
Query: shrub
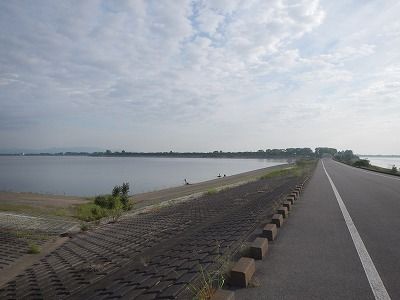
[
  {"x": 116, "y": 191},
  {"x": 33, "y": 248},
  {"x": 361, "y": 163},
  {"x": 84, "y": 227},
  {"x": 101, "y": 201},
  {"x": 394, "y": 169},
  {"x": 107, "y": 202},
  {"x": 122, "y": 192},
  {"x": 117, "y": 210},
  {"x": 90, "y": 212}
]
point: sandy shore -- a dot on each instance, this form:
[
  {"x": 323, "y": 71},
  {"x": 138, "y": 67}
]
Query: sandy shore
[{"x": 39, "y": 200}]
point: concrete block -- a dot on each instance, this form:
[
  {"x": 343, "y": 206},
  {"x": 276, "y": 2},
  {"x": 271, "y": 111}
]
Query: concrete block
[
  {"x": 288, "y": 205},
  {"x": 270, "y": 231},
  {"x": 277, "y": 219},
  {"x": 242, "y": 272},
  {"x": 290, "y": 199},
  {"x": 283, "y": 211},
  {"x": 259, "y": 248},
  {"x": 223, "y": 295}
]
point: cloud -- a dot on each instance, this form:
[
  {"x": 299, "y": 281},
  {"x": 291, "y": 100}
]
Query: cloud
[{"x": 186, "y": 66}]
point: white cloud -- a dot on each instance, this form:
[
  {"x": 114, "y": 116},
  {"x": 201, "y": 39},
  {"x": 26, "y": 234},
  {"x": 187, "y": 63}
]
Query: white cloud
[{"x": 188, "y": 64}]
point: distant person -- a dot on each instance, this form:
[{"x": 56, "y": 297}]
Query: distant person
[
  {"x": 224, "y": 175},
  {"x": 186, "y": 183}
]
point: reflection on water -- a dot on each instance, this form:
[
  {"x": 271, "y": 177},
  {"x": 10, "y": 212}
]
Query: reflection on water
[{"x": 84, "y": 176}]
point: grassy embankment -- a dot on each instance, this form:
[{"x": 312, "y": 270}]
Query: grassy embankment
[
  {"x": 301, "y": 168},
  {"x": 365, "y": 164}
]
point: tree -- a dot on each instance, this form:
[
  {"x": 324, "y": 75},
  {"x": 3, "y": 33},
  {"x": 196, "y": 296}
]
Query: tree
[{"x": 321, "y": 151}]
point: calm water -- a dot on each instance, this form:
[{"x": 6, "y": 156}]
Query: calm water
[
  {"x": 84, "y": 176},
  {"x": 384, "y": 161}
]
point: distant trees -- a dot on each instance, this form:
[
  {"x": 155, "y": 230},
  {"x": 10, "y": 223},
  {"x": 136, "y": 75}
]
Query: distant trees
[
  {"x": 261, "y": 153},
  {"x": 346, "y": 156},
  {"x": 322, "y": 151}
]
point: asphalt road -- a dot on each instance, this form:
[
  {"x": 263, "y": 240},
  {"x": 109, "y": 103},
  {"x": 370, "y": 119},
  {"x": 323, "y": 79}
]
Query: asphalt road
[{"x": 343, "y": 245}]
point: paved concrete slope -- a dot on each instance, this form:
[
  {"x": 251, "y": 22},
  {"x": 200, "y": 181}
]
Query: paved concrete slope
[{"x": 315, "y": 256}]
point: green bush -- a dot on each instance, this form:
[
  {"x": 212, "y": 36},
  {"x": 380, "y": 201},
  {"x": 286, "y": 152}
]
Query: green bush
[
  {"x": 101, "y": 201},
  {"x": 107, "y": 201},
  {"x": 84, "y": 227},
  {"x": 122, "y": 192},
  {"x": 33, "y": 248},
  {"x": 361, "y": 163},
  {"x": 106, "y": 205},
  {"x": 90, "y": 212}
]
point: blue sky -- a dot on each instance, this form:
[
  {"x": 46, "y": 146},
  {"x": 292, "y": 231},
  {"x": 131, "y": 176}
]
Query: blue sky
[{"x": 200, "y": 75}]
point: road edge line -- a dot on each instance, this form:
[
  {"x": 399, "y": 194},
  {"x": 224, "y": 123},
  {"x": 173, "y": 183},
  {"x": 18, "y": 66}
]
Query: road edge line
[{"x": 375, "y": 281}]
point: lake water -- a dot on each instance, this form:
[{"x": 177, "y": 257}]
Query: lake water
[
  {"x": 87, "y": 176},
  {"x": 383, "y": 161}
]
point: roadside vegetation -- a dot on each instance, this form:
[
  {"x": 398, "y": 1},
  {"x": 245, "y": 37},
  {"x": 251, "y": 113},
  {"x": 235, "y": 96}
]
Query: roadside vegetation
[
  {"x": 112, "y": 205},
  {"x": 301, "y": 167},
  {"x": 212, "y": 191},
  {"x": 33, "y": 248},
  {"x": 349, "y": 158}
]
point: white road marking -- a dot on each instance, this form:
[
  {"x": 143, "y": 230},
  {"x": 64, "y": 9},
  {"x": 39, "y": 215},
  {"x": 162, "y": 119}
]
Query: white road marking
[
  {"x": 369, "y": 172},
  {"x": 375, "y": 281}
]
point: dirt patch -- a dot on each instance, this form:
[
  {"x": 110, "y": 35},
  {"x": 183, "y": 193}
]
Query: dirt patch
[{"x": 39, "y": 200}]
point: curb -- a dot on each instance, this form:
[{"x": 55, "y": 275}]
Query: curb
[{"x": 244, "y": 269}]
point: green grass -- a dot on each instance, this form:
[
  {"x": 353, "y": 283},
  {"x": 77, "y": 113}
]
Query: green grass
[
  {"x": 302, "y": 167},
  {"x": 33, "y": 248},
  {"x": 90, "y": 212},
  {"x": 211, "y": 191}
]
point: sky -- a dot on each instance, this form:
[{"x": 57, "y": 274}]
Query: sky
[{"x": 182, "y": 75}]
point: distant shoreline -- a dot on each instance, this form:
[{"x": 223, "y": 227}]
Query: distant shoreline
[
  {"x": 378, "y": 155},
  {"x": 289, "y": 153}
]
